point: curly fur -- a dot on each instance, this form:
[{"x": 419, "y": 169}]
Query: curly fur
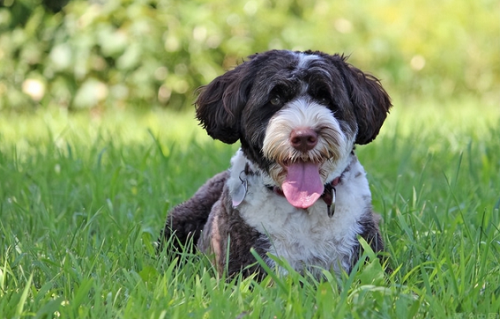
[{"x": 261, "y": 103}]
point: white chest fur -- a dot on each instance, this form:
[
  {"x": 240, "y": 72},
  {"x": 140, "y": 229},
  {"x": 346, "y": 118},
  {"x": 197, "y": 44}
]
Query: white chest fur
[{"x": 307, "y": 239}]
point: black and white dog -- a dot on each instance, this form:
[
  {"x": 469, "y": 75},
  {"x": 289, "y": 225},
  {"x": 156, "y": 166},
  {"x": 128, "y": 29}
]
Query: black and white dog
[{"x": 295, "y": 188}]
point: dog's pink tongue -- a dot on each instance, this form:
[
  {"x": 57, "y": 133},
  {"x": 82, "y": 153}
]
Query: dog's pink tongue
[{"x": 302, "y": 186}]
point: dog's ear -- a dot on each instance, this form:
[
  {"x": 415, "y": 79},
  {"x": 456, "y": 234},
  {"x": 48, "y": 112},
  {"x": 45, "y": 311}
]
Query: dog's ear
[
  {"x": 371, "y": 102},
  {"x": 220, "y": 103}
]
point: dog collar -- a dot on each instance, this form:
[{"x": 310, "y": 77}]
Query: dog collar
[{"x": 328, "y": 196}]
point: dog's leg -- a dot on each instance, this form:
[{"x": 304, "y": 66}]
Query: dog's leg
[
  {"x": 186, "y": 220},
  {"x": 371, "y": 234},
  {"x": 228, "y": 239}
]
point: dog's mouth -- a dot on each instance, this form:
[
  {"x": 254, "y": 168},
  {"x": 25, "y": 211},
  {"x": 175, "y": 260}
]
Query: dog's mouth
[{"x": 302, "y": 185}]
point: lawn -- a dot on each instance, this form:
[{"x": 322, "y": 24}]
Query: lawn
[{"x": 83, "y": 198}]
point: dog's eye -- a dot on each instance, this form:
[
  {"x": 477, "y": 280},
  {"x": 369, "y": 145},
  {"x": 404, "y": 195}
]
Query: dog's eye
[
  {"x": 320, "y": 93},
  {"x": 323, "y": 100},
  {"x": 275, "y": 100},
  {"x": 322, "y": 97}
]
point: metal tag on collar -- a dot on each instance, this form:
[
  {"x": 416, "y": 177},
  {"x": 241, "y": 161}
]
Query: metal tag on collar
[
  {"x": 241, "y": 192},
  {"x": 331, "y": 208}
]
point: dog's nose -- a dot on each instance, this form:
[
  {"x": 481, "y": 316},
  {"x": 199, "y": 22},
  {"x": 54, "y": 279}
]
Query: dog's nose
[{"x": 303, "y": 139}]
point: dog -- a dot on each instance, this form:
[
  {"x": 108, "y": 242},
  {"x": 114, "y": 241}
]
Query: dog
[{"x": 295, "y": 188}]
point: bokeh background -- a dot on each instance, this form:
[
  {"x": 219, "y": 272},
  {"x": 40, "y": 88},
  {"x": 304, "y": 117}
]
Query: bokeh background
[{"x": 120, "y": 54}]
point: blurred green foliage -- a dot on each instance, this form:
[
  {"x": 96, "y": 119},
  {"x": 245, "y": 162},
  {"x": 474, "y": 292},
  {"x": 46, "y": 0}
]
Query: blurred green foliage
[{"x": 141, "y": 54}]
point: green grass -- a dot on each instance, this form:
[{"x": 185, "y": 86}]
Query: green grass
[{"x": 82, "y": 199}]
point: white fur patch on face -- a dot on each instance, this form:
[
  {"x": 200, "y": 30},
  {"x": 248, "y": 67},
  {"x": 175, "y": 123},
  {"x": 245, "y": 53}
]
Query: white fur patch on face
[
  {"x": 304, "y": 59},
  {"x": 330, "y": 152}
]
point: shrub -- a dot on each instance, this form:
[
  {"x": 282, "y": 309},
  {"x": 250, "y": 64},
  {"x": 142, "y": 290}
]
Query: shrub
[{"x": 123, "y": 53}]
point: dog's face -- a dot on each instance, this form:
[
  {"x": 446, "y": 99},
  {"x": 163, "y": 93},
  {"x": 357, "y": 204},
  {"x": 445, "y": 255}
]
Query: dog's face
[{"x": 297, "y": 116}]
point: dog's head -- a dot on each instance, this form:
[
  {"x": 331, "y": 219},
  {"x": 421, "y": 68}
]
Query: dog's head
[{"x": 296, "y": 114}]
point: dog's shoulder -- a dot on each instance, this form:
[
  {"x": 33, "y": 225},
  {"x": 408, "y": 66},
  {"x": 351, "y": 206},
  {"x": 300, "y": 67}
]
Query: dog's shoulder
[
  {"x": 227, "y": 238},
  {"x": 187, "y": 219}
]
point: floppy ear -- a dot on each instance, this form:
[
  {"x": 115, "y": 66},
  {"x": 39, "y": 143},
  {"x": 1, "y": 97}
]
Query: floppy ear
[
  {"x": 220, "y": 103},
  {"x": 371, "y": 102}
]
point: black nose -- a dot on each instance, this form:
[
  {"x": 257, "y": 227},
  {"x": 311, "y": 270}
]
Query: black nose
[{"x": 303, "y": 139}]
